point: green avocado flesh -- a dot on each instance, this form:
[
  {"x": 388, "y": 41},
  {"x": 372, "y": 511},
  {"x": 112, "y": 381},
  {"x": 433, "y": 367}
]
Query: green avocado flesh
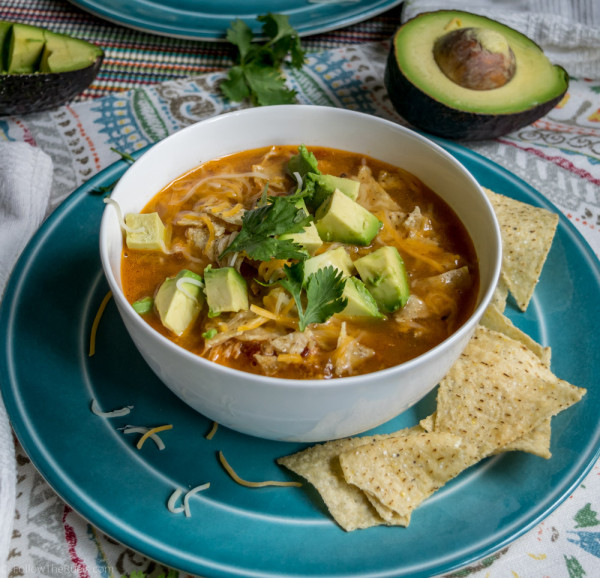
[
  {"x": 40, "y": 69},
  {"x": 428, "y": 98}
]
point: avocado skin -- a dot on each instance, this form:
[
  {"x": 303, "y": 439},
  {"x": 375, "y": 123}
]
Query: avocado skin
[
  {"x": 436, "y": 118},
  {"x": 27, "y": 93}
]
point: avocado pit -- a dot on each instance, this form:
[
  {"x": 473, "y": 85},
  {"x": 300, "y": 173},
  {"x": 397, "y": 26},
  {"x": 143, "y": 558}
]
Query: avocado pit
[{"x": 475, "y": 58}]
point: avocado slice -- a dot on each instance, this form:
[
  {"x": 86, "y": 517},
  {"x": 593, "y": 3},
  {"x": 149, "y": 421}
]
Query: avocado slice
[
  {"x": 42, "y": 69},
  {"x": 360, "y": 302},
  {"x": 308, "y": 238},
  {"x": 385, "y": 276},
  {"x": 337, "y": 258},
  {"x": 341, "y": 219},
  {"x": 325, "y": 185},
  {"x": 178, "y": 303},
  {"x": 463, "y": 76},
  {"x": 226, "y": 290}
]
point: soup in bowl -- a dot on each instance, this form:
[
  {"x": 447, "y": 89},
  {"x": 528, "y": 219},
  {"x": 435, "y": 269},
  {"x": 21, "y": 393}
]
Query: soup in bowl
[{"x": 299, "y": 273}]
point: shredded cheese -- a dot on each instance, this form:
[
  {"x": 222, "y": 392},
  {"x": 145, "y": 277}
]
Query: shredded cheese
[
  {"x": 92, "y": 349},
  {"x": 233, "y": 211},
  {"x": 114, "y": 413},
  {"x": 150, "y": 432},
  {"x": 211, "y": 434},
  {"x": 247, "y": 484},
  {"x": 283, "y": 320},
  {"x": 290, "y": 358},
  {"x": 129, "y": 429},
  {"x": 172, "y": 500},
  {"x": 189, "y": 494},
  {"x": 256, "y": 322},
  {"x": 211, "y": 232}
]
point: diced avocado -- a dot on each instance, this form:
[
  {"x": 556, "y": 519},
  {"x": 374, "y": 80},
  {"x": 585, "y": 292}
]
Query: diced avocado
[
  {"x": 384, "y": 275},
  {"x": 360, "y": 302},
  {"x": 145, "y": 231},
  {"x": 226, "y": 290},
  {"x": 309, "y": 238},
  {"x": 179, "y": 302},
  {"x": 338, "y": 258},
  {"x": 330, "y": 183},
  {"x": 63, "y": 53},
  {"x": 25, "y": 49},
  {"x": 341, "y": 219}
]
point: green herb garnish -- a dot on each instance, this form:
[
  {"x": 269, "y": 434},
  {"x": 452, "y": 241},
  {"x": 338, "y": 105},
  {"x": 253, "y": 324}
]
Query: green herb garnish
[
  {"x": 324, "y": 289},
  {"x": 257, "y": 72},
  {"x": 258, "y": 237},
  {"x": 210, "y": 333}
]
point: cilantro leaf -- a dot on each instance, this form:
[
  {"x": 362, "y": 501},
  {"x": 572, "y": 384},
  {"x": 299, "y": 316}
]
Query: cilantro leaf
[
  {"x": 261, "y": 227},
  {"x": 324, "y": 289},
  {"x": 257, "y": 72},
  {"x": 303, "y": 163}
]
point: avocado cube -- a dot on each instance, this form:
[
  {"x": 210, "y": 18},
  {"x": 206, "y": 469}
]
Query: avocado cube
[
  {"x": 145, "y": 231},
  {"x": 25, "y": 49},
  {"x": 63, "y": 53},
  {"x": 337, "y": 258},
  {"x": 330, "y": 183},
  {"x": 226, "y": 290},
  {"x": 308, "y": 238},
  {"x": 385, "y": 276},
  {"x": 341, "y": 219},
  {"x": 179, "y": 302},
  {"x": 360, "y": 302}
]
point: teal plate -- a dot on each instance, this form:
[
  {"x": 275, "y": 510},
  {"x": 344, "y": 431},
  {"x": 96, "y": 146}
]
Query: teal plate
[
  {"x": 48, "y": 382},
  {"x": 210, "y": 19}
]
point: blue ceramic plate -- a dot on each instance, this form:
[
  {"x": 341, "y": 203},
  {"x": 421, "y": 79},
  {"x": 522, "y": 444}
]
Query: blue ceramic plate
[
  {"x": 48, "y": 382},
  {"x": 210, "y": 19}
]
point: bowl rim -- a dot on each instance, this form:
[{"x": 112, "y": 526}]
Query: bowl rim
[{"x": 292, "y": 383}]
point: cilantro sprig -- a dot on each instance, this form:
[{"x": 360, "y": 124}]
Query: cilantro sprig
[
  {"x": 261, "y": 226},
  {"x": 324, "y": 289},
  {"x": 256, "y": 74}
]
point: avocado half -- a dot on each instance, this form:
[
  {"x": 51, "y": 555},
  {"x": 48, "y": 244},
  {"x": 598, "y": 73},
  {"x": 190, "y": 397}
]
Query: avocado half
[
  {"x": 40, "y": 69},
  {"x": 423, "y": 91}
]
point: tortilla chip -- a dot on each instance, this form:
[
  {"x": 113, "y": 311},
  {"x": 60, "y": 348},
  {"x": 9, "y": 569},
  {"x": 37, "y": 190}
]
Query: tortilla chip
[
  {"x": 401, "y": 472},
  {"x": 500, "y": 295},
  {"x": 497, "y": 391},
  {"x": 349, "y": 507},
  {"x": 527, "y": 234},
  {"x": 494, "y": 319},
  {"x": 536, "y": 442}
]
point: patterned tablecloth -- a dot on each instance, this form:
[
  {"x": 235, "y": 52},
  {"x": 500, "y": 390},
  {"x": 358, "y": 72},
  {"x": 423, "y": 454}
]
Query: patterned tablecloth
[{"x": 558, "y": 155}]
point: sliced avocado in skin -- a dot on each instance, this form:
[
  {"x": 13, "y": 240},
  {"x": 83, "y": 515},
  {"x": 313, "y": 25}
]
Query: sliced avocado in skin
[
  {"x": 42, "y": 69},
  {"x": 26, "y": 44},
  {"x": 463, "y": 76},
  {"x": 226, "y": 290},
  {"x": 385, "y": 276},
  {"x": 337, "y": 258},
  {"x": 360, "y": 302},
  {"x": 64, "y": 54},
  {"x": 178, "y": 307},
  {"x": 341, "y": 219}
]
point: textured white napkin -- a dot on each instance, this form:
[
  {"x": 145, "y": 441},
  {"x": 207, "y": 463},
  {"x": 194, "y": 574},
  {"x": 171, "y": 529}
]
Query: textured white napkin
[
  {"x": 568, "y": 31},
  {"x": 25, "y": 182}
]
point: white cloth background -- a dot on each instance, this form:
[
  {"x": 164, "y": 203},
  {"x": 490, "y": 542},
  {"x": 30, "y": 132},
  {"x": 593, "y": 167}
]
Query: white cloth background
[{"x": 25, "y": 181}]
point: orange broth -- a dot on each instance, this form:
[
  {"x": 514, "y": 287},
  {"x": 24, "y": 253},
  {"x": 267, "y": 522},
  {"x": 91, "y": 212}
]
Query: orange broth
[{"x": 437, "y": 251}]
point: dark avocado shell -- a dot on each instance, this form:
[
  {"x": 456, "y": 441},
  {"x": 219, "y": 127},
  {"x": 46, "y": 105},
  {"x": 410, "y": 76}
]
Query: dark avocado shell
[
  {"x": 26, "y": 93},
  {"x": 433, "y": 116}
]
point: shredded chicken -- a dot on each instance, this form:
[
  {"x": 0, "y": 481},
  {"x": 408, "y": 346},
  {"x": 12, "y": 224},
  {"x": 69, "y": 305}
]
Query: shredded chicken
[{"x": 372, "y": 195}]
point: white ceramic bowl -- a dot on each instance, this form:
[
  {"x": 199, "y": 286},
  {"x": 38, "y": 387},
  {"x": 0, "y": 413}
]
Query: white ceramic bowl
[{"x": 299, "y": 410}]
